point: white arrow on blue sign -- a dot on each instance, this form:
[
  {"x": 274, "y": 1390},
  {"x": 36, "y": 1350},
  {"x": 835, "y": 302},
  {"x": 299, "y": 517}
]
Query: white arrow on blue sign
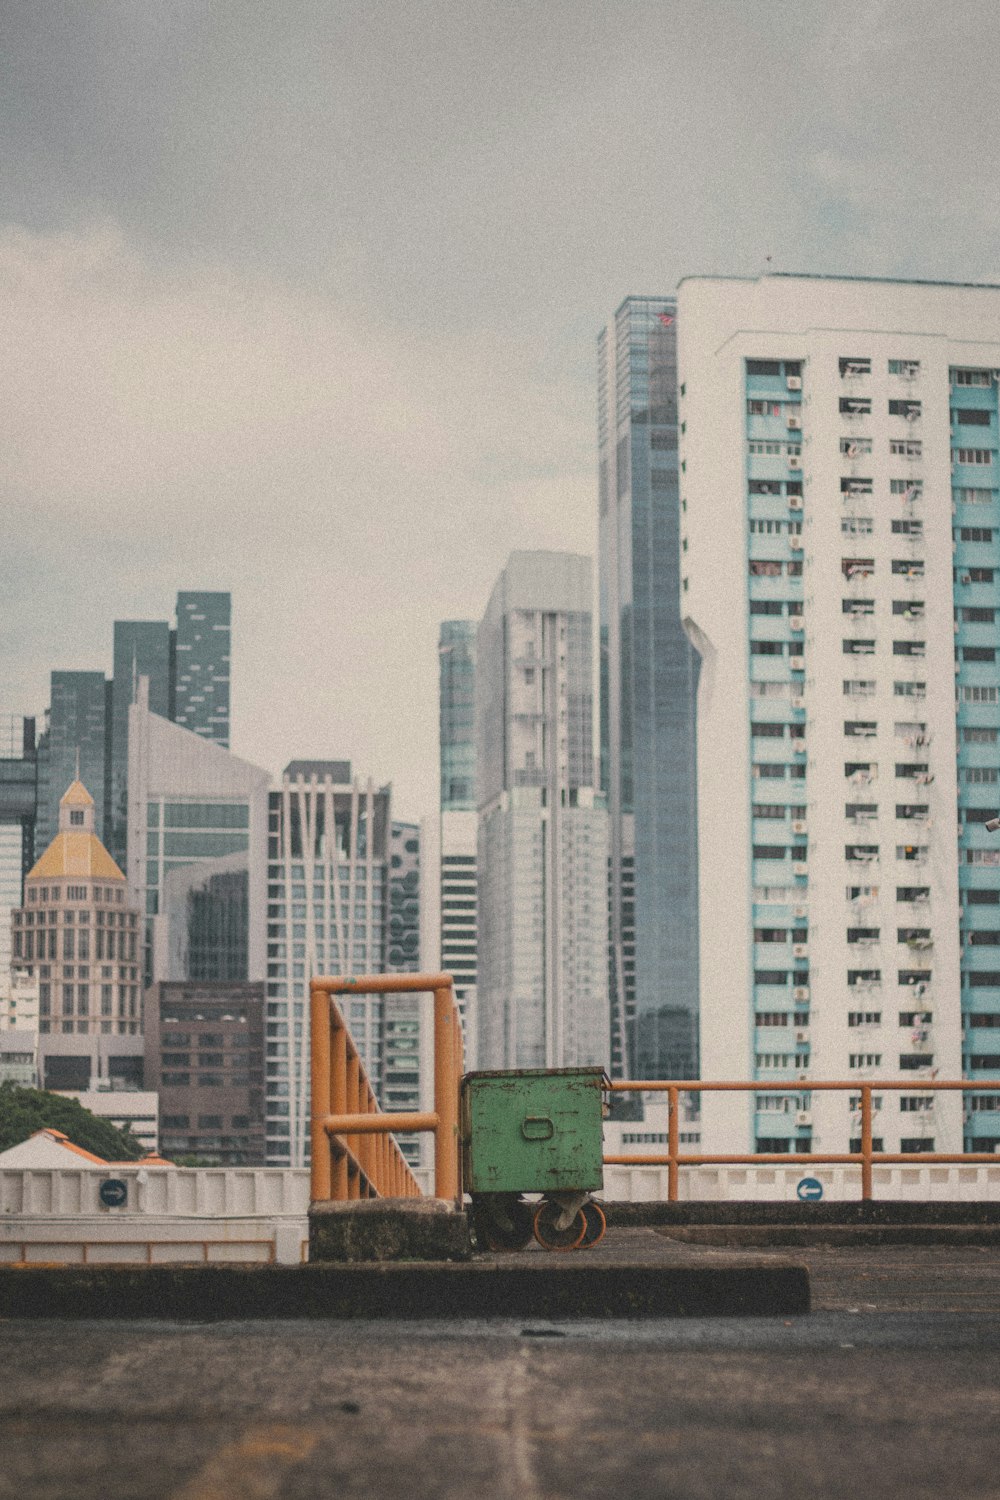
[{"x": 810, "y": 1189}]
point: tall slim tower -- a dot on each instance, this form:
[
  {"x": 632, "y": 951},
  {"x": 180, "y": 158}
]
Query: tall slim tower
[
  {"x": 841, "y": 560},
  {"x": 201, "y": 678},
  {"x": 542, "y": 994},
  {"x": 457, "y": 660},
  {"x": 649, "y": 676}
]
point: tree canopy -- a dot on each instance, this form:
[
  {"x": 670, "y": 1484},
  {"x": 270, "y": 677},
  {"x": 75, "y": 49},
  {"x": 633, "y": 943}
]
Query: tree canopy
[{"x": 23, "y": 1111}]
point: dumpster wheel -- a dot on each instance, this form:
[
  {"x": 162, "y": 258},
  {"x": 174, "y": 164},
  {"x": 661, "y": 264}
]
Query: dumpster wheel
[
  {"x": 596, "y": 1225},
  {"x": 502, "y": 1221},
  {"x": 549, "y": 1235}
]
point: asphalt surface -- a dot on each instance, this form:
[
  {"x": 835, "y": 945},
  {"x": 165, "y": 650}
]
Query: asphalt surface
[{"x": 891, "y": 1387}]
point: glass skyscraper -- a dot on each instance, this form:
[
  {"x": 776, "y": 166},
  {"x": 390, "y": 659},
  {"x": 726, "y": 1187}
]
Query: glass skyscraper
[
  {"x": 649, "y": 678},
  {"x": 201, "y": 685},
  {"x": 78, "y": 727}
]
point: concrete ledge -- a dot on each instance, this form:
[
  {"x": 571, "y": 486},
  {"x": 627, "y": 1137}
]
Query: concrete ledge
[
  {"x": 761, "y": 1236},
  {"x": 383, "y": 1229},
  {"x": 537, "y": 1286},
  {"x": 653, "y": 1215}
]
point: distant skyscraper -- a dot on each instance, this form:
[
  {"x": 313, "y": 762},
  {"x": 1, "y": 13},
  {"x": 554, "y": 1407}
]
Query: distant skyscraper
[
  {"x": 649, "y": 676},
  {"x": 75, "y": 744},
  {"x": 542, "y": 994},
  {"x": 457, "y": 660},
  {"x": 142, "y": 648},
  {"x": 201, "y": 696},
  {"x": 193, "y": 808},
  {"x": 18, "y": 798}
]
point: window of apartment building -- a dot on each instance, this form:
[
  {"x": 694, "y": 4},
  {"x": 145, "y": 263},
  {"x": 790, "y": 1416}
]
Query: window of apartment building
[
  {"x": 863, "y": 934},
  {"x": 907, "y": 367},
  {"x": 914, "y": 529},
  {"x": 909, "y": 648},
  {"x": 980, "y": 775},
  {"x": 767, "y": 648},
  {"x": 770, "y": 810},
  {"x": 910, "y": 689},
  {"x": 855, "y": 406},
  {"x": 857, "y": 607},
  {"x": 974, "y": 495},
  {"x": 861, "y": 812},
  {"x": 979, "y": 736},
  {"x": 975, "y": 533},
  {"x": 857, "y": 567},
  {"x": 771, "y": 1018},
  {"x": 961, "y": 376},
  {"x": 856, "y": 647},
  {"x": 979, "y": 653},
  {"x": 857, "y": 525},
  {"x": 766, "y": 731},
  {"x": 855, "y": 486},
  {"x": 980, "y": 456},
  {"x": 859, "y": 687},
  {"x": 863, "y": 729},
  {"x": 905, "y": 408},
  {"x": 908, "y": 567},
  {"x": 972, "y": 416},
  {"x": 855, "y": 447},
  {"x": 864, "y": 1018},
  {"x": 865, "y": 1059},
  {"x": 976, "y": 694},
  {"x": 854, "y": 364}
]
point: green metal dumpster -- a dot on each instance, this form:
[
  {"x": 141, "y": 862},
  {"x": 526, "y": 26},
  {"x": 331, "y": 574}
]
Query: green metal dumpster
[{"x": 534, "y": 1131}]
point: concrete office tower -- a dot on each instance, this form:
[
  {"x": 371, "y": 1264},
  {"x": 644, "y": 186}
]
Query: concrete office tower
[
  {"x": 840, "y": 563},
  {"x": 457, "y": 703},
  {"x": 649, "y": 676},
  {"x": 75, "y": 743},
  {"x": 204, "y": 1056},
  {"x": 191, "y": 805},
  {"x": 407, "y": 1050},
  {"x": 201, "y": 687},
  {"x": 18, "y": 808},
  {"x": 77, "y": 933},
  {"x": 543, "y": 835},
  {"x": 327, "y": 913}
]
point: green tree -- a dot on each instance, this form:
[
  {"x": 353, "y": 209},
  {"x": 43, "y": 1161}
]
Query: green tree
[{"x": 23, "y": 1111}]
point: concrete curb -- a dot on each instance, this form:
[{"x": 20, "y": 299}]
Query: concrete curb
[
  {"x": 552, "y": 1289},
  {"x": 655, "y": 1215},
  {"x": 760, "y": 1236}
]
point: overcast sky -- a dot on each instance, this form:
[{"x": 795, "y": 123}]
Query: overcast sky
[{"x": 300, "y": 300}]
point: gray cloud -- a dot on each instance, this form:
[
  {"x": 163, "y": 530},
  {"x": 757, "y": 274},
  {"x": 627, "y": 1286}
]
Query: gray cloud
[{"x": 301, "y": 300}]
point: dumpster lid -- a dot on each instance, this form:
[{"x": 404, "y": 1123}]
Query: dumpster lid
[{"x": 597, "y": 1073}]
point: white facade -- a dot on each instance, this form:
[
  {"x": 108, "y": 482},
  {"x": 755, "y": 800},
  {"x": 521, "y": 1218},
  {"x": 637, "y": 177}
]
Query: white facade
[
  {"x": 818, "y": 469},
  {"x": 542, "y": 993},
  {"x": 458, "y": 904},
  {"x": 191, "y": 802},
  {"x": 137, "y": 1110}
]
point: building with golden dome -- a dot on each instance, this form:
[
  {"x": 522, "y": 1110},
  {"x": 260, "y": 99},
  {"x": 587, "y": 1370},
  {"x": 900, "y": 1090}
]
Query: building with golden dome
[{"x": 76, "y": 932}]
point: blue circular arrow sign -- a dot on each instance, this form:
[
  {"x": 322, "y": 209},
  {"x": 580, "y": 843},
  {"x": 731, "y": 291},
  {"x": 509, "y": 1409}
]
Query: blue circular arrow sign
[
  {"x": 113, "y": 1193},
  {"x": 810, "y": 1189}
]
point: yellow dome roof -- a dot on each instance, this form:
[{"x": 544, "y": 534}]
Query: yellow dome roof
[
  {"x": 80, "y": 854},
  {"x": 76, "y": 795}
]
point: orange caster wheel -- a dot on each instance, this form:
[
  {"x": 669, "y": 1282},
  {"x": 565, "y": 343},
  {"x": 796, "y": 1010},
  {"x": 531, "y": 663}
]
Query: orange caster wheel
[
  {"x": 549, "y": 1236},
  {"x": 596, "y": 1224}
]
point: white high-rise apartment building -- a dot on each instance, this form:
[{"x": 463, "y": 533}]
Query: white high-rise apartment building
[
  {"x": 840, "y": 556},
  {"x": 542, "y": 993}
]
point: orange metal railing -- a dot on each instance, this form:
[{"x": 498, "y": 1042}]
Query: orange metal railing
[
  {"x": 354, "y": 1153},
  {"x": 673, "y": 1158}
]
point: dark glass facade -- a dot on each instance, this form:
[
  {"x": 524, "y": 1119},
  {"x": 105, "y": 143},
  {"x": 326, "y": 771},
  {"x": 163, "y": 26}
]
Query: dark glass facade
[
  {"x": 142, "y": 648},
  {"x": 457, "y": 654},
  {"x": 78, "y": 718},
  {"x": 201, "y": 688},
  {"x": 649, "y": 677}
]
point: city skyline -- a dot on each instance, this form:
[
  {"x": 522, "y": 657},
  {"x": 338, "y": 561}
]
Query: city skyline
[{"x": 245, "y": 353}]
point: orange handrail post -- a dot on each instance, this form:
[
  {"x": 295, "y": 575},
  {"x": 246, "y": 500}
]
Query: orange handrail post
[
  {"x": 445, "y": 1095},
  {"x": 673, "y": 1144},
  {"x": 354, "y": 1152},
  {"x": 866, "y": 1141},
  {"x": 319, "y": 1007}
]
